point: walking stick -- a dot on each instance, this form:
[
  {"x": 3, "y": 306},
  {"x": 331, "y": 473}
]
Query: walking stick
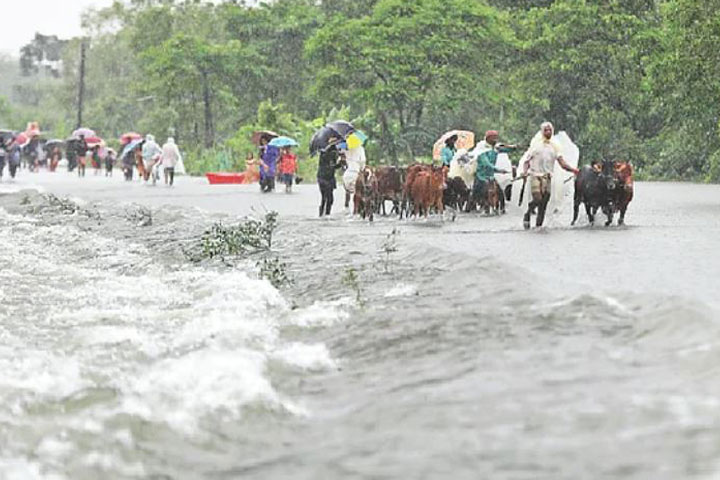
[{"x": 522, "y": 192}]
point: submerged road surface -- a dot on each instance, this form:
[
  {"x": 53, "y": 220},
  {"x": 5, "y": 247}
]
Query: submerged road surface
[{"x": 403, "y": 349}]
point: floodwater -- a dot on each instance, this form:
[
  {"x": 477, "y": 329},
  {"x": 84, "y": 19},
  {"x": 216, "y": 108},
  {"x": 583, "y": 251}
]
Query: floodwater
[{"x": 409, "y": 350}]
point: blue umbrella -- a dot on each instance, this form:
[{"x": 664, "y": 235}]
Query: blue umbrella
[
  {"x": 130, "y": 147},
  {"x": 282, "y": 142}
]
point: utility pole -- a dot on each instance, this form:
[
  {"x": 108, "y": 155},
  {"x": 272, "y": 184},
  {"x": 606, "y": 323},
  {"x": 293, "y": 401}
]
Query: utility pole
[{"x": 81, "y": 88}]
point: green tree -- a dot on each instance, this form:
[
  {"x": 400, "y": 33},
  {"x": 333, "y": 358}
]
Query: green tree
[{"x": 405, "y": 58}]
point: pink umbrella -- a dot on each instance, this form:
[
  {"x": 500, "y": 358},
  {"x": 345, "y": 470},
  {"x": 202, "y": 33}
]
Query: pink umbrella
[{"x": 86, "y": 132}]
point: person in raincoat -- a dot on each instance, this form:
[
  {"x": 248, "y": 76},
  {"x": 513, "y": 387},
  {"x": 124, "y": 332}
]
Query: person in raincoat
[
  {"x": 268, "y": 168},
  {"x": 487, "y": 152},
  {"x": 448, "y": 151},
  {"x": 151, "y": 153},
  {"x": 538, "y": 164},
  {"x": 170, "y": 158},
  {"x": 330, "y": 160},
  {"x": 356, "y": 161}
]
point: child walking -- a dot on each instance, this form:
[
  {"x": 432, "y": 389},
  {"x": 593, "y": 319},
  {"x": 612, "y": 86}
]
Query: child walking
[{"x": 288, "y": 167}]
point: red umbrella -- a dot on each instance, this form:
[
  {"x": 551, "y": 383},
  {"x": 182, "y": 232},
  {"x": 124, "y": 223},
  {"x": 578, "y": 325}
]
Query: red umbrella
[
  {"x": 21, "y": 139},
  {"x": 129, "y": 137},
  {"x": 93, "y": 141}
]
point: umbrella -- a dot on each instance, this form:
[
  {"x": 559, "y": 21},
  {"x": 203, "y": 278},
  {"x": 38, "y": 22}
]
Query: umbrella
[
  {"x": 131, "y": 146},
  {"x": 323, "y": 138},
  {"x": 356, "y": 139},
  {"x": 281, "y": 142},
  {"x": 465, "y": 140},
  {"x": 257, "y": 136},
  {"x": 129, "y": 137},
  {"x": 93, "y": 141},
  {"x": 342, "y": 127},
  {"x": 53, "y": 143},
  {"x": 6, "y": 134},
  {"x": 86, "y": 132},
  {"x": 21, "y": 139}
]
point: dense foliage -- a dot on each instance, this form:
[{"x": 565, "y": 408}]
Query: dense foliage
[{"x": 634, "y": 79}]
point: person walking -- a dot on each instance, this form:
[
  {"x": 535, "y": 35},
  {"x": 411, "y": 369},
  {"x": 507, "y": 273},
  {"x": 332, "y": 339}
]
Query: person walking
[
  {"x": 81, "y": 149},
  {"x": 151, "y": 153},
  {"x": 538, "y": 165},
  {"x": 268, "y": 168},
  {"x": 170, "y": 158},
  {"x": 109, "y": 162},
  {"x": 448, "y": 151},
  {"x": 487, "y": 152},
  {"x": 15, "y": 158},
  {"x": 3, "y": 153},
  {"x": 356, "y": 161},
  {"x": 288, "y": 168},
  {"x": 330, "y": 161}
]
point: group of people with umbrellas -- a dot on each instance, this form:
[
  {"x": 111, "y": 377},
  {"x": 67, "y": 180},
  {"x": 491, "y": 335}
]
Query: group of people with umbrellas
[
  {"x": 18, "y": 148},
  {"x": 277, "y": 161},
  {"x": 149, "y": 158},
  {"x": 84, "y": 147}
]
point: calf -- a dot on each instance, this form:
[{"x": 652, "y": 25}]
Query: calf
[
  {"x": 491, "y": 199},
  {"x": 624, "y": 191},
  {"x": 457, "y": 194},
  {"x": 366, "y": 194}
]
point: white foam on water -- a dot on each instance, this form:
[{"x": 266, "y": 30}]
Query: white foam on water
[
  {"x": 23, "y": 469},
  {"x": 306, "y": 357},
  {"x": 322, "y": 314},
  {"x": 99, "y": 324},
  {"x": 181, "y": 391},
  {"x": 402, "y": 290}
]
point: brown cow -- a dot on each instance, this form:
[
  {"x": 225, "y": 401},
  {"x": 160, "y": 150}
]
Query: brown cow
[
  {"x": 427, "y": 189},
  {"x": 390, "y": 187},
  {"x": 366, "y": 194},
  {"x": 624, "y": 190},
  {"x": 410, "y": 174}
]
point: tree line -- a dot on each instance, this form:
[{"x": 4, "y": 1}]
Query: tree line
[{"x": 627, "y": 79}]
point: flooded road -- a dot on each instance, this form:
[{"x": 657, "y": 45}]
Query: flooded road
[{"x": 420, "y": 349}]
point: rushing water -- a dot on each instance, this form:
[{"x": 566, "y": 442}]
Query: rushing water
[{"x": 120, "y": 359}]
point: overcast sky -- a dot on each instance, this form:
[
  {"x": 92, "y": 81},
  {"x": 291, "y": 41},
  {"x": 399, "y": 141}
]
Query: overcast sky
[{"x": 22, "y": 18}]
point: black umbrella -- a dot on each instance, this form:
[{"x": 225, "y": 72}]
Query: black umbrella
[
  {"x": 342, "y": 127},
  {"x": 323, "y": 138},
  {"x": 53, "y": 143},
  {"x": 7, "y": 134}
]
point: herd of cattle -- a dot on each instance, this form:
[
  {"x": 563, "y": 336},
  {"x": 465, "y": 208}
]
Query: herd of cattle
[
  {"x": 417, "y": 190},
  {"x": 420, "y": 188}
]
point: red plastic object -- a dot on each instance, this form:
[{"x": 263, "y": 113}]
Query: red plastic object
[{"x": 225, "y": 178}]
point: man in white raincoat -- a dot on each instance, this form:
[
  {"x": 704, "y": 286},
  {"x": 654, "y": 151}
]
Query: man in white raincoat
[
  {"x": 170, "y": 159},
  {"x": 538, "y": 164}
]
